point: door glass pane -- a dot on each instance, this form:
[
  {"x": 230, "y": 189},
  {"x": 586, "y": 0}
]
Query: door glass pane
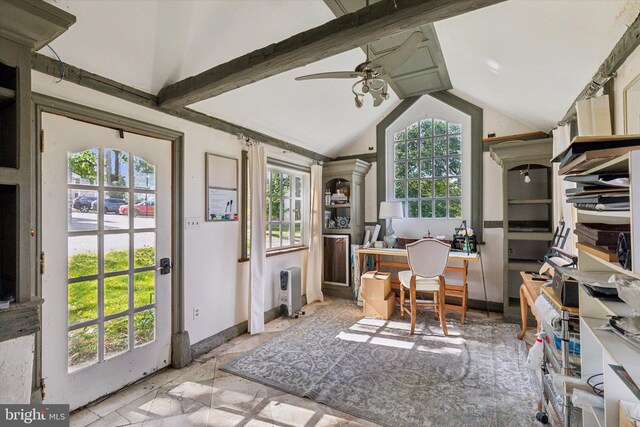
[
  {"x": 83, "y": 301},
  {"x": 116, "y": 168},
  {"x": 426, "y": 208},
  {"x": 82, "y": 167},
  {"x": 116, "y": 336},
  {"x": 116, "y": 210},
  {"x": 81, "y": 217},
  {"x": 144, "y": 210},
  {"x": 116, "y": 252},
  {"x": 144, "y": 289},
  {"x": 83, "y": 347},
  {"x": 116, "y": 294},
  {"x": 144, "y": 174},
  {"x": 144, "y": 250},
  {"x": 144, "y": 327},
  {"x": 83, "y": 256},
  {"x": 275, "y": 209}
]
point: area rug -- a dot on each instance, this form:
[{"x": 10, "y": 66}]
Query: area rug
[{"x": 373, "y": 369}]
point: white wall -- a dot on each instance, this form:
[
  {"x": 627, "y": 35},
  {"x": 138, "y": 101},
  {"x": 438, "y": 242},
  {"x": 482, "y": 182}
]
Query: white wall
[
  {"x": 16, "y": 370},
  {"x": 214, "y": 280}
]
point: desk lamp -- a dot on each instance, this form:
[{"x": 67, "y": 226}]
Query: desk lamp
[{"x": 390, "y": 211}]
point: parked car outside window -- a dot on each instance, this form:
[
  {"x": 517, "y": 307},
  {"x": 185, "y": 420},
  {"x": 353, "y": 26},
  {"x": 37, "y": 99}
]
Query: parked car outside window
[
  {"x": 83, "y": 203},
  {"x": 110, "y": 205},
  {"x": 147, "y": 208}
]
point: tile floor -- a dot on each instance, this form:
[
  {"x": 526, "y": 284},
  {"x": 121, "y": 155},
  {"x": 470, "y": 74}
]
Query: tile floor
[{"x": 203, "y": 395}]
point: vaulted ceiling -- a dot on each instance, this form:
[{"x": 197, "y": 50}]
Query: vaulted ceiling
[{"x": 528, "y": 59}]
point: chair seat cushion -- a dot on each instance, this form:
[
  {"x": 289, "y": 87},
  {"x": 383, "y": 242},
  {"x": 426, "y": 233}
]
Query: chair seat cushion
[{"x": 423, "y": 284}]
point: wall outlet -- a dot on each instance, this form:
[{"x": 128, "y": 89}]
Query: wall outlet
[
  {"x": 191, "y": 222},
  {"x": 196, "y": 312}
]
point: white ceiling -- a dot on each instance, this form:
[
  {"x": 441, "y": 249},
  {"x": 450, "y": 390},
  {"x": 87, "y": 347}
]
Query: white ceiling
[{"x": 543, "y": 53}]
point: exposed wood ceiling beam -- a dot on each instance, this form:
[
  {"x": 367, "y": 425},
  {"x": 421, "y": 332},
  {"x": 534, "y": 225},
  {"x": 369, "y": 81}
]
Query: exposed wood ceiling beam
[
  {"x": 347, "y": 32},
  {"x": 629, "y": 41},
  {"x": 46, "y": 65}
]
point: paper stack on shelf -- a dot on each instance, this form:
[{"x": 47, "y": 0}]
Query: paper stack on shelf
[
  {"x": 586, "y": 152},
  {"x": 599, "y": 192}
]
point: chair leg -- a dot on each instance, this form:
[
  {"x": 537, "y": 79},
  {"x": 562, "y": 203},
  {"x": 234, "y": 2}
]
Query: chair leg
[
  {"x": 441, "y": 308},
  {"x": 401, "y": 301},
  {"x": 414, "y": 303}
]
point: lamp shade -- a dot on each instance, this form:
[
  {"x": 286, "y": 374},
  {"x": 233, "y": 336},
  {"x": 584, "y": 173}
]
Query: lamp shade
[{"x": 391, "y": 210}]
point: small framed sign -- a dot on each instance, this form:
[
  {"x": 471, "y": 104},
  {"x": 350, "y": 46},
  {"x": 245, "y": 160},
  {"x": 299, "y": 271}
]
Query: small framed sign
[{"x": 222, "y": 188}]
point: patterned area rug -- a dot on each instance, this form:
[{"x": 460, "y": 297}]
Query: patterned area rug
[{"x": 373, "y": 369}]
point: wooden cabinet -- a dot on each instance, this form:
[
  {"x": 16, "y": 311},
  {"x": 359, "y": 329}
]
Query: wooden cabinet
[
  {"x": 527, "y": 212},
  {"x": 343, "y": 186}
]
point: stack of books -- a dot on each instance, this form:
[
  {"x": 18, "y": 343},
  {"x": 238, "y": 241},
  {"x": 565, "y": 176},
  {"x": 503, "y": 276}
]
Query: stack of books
[
  {"x": 599, "y": 192},
  {"x": 586, "y": 152}
]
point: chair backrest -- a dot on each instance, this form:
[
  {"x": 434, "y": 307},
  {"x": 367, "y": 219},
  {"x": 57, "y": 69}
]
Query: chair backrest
[{"x": 428, "y": 257}]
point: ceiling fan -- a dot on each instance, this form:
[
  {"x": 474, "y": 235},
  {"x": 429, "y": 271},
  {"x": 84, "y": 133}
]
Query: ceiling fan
[{"x": 373, "y": 74}]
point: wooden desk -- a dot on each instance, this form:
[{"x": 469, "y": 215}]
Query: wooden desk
[
  {"x": 458, "y": 291},
  {"x": 529, "y": 291}
]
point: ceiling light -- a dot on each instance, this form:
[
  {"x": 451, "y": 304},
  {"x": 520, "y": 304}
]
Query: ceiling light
[
  {"x": 358, "y": 101},
  {"x": 493, "y": 66}
]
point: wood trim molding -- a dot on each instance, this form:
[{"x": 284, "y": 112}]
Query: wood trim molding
[
  {"x": 347, "y": 32},
  {"x": 20, "y": 319},
  {"x": 367, "y": 157},
  {"x": 50, "y": 66}
]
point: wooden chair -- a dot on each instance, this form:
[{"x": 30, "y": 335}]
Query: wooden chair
[{"x": 427, "y": 261}]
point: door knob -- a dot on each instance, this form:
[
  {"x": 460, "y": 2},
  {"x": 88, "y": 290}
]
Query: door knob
[{"x": 165, "y": 266}]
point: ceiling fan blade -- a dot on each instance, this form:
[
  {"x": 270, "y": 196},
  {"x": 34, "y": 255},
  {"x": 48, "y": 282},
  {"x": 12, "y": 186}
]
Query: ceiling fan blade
[
  {"x": 331, "y": 75},
  {"x": 400, "y": 55}
]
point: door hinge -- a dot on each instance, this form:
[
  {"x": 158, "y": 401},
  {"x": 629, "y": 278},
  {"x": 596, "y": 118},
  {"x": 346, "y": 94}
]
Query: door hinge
[
  {"x": 42, "y": 262},
  {"x": 42, "y": 140}
]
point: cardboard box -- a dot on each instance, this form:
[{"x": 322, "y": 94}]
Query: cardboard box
[
  {"x": 625, "y": 409},
  {"x": 375, "y": 285},
  {"x": 380, "y": 308}
]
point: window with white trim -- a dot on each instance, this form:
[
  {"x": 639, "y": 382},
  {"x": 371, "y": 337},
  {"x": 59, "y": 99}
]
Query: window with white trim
[
  {"x": 426, "y": 168},
  {"x": 284, "y": 208}
]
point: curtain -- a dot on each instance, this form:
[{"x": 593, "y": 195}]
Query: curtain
[
  {"x": 314, "y": 260},
  {"x": 257, "y": 189},
  {"x": 562, "y": 209}
]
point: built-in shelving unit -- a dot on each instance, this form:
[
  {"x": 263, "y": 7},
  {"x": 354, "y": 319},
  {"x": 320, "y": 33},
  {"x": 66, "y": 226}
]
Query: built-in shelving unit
[
  {"x": 601, "y": 348},
  {"x": 527, "y": 212},
  {"x": 343, "y": 187}
]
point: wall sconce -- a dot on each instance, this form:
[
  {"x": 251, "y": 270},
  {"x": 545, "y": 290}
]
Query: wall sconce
[{"x": 527, "y": 177}]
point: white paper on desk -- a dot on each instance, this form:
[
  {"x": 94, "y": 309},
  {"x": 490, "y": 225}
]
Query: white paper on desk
[
  {"x": 376, "y": 231},
  {"x": 367, "y": 236},
  {"x": 560, "y": 262}
]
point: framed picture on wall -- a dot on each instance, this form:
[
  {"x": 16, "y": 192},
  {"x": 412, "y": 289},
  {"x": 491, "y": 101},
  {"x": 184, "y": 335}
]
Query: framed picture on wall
[{"x": 221, "y": 188}]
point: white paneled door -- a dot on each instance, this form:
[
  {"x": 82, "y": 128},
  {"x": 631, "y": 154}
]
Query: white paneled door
[{"x": 106, "y": 231}]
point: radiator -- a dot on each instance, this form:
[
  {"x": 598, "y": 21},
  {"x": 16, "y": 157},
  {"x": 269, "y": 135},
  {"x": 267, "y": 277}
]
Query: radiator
[{"x": 290, "y": 292}]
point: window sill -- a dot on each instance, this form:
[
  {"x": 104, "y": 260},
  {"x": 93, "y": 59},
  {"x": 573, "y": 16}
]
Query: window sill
[{"x": 282, "y": 251}]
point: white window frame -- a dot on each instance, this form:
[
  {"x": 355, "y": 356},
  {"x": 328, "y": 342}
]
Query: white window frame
[
  {"x": 424, "y": 198},
  {"x": 296, "y": 216}
]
